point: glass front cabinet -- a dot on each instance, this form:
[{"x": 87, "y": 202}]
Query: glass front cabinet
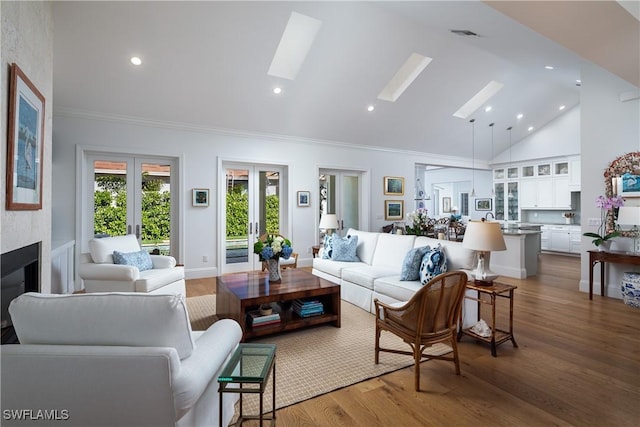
[
  {"x": 498, "y": 188},
  {"x": 512, "y": 201}
]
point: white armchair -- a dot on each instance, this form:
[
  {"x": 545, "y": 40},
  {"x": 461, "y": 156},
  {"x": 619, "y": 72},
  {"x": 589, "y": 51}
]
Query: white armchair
[
  {"x": 99, "y": 273},
  {"x": 115, "y": 359}
]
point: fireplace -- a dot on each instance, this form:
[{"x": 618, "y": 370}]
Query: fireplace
[{"x": 20, "y": 270}]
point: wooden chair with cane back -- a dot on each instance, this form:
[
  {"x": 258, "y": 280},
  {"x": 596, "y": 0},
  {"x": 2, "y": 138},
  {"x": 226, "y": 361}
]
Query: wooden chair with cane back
[{"x": 429, "y": 317}]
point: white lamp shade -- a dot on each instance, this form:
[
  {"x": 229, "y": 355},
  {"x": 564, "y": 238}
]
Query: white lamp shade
[
  {"x": 629, "y": 215},
  {"x": 484, "y": 236},
  {"x": 328, "y": 221}
]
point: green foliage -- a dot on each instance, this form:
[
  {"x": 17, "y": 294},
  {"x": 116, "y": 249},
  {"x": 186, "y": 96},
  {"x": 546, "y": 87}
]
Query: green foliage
[
  {"x": 110, "y": 214},
  {"x": 237, "y": 214},
  {"x": 273, "y": 214},
  {"x": 111, "y": 183},
  {"x": 156, "y": 216}
]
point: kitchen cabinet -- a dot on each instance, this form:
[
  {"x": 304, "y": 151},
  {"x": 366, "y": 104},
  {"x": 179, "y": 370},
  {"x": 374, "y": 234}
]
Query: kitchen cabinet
[
  {"x": 498, "y": 189},
  {"x": 536, "y": 193},
  {"x": 561, "y": 193},
  {"x": 512, "y": 198},
  {"x": 561, "y": 238},
  {"x": 574, "y": 174}
]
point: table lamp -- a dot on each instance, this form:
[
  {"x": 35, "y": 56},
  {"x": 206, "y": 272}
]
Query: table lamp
[
  {"x": 630, "y": 215},
  {"x": 329, "y": 222},
  {"x": 484, "y": 237}
]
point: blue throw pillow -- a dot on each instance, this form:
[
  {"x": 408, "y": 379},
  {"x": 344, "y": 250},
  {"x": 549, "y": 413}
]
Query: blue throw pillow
[
  {"x": 412, "y": 262},
  {"x": 434, "y": 262},
  {"x": 344, "y": 248},
  {"x": 140, "y": 259},
  {"x": 327, "y": 246}
]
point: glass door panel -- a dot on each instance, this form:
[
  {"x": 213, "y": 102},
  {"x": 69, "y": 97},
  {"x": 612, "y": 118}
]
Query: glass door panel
[
  {"x": 340, "y": 195},
  {"x": 253, "y": 207},
  {"x": 132, "y": 196}
]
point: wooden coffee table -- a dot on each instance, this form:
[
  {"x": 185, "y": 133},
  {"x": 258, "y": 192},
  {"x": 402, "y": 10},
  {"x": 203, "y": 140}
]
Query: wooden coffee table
[{"x": 240, "y": 293}]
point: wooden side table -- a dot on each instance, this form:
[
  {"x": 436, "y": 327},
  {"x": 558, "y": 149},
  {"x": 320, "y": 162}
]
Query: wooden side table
[{"x": 498, "y": 336}]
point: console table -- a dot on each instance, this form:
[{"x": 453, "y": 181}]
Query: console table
[{"x": 613, "y": 257}]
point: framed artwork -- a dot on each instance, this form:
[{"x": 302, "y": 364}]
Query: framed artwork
[
  {"x": 25, "y": 143},
  {"x": 200, "y": 197},
  {"x": 628, "y": 185},
  {"x": 304, "y": 198},
  {"x": 446, "y": 204},
  {"x": 393, "y": 186},
  {"x": 393, "y": 210},
  {"x": 483, "y": 204}
]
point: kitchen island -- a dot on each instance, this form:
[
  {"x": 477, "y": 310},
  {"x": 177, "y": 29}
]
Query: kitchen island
[{"x": 520, "y": 260}]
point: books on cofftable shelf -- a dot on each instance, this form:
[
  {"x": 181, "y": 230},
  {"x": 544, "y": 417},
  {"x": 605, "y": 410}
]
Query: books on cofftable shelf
[
  {"x": 306, "y": 308},
  {"x": 255, "y": 319}
]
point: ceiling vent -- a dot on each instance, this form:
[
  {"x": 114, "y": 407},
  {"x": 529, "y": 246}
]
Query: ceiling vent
[{"x": 464, "y": 33}]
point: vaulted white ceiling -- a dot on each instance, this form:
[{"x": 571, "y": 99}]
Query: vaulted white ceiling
[{"x": 205, "y": 64}]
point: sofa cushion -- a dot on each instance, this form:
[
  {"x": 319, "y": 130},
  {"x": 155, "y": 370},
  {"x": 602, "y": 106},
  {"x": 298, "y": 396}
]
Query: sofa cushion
[
  {"x": 150, "y": 280},
  {"x": 392, "y": 286},
  {"x": 364, "y": 275},
  {"x": 327, "y": 246},
  {"x": 391, "y": 249},
  {"x": 331, "y": 267},
  {"x": 344, "y": 248},
  {"x": 102, "y": 249},
  {"x": 366, "y": 244},
  {"x": 411, "y": 263},
  {"x": 434, "y": 263},
  {"x": 115, "y": 319},
  {"x": 458, "y": 257},
  {"x": 139, "y": 259}
]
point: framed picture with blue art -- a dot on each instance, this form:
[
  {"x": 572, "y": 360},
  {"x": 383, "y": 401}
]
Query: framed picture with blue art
[
  {"x": 628, "y": 185},
  {"x": 25, "y": 143},
  {"x": 304, "y": 198},
  {"x": 200, "y": 197},
  {"x": 393, "y": 210}
]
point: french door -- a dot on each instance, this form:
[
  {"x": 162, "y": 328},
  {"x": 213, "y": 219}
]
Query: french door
[
  {"x": 254, "y": 205},
  {"x": 132, "y": 195},
  {"x": 340, "y": 194}
]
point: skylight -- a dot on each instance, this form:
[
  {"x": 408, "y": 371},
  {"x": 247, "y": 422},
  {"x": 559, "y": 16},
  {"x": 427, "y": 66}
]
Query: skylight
[
  {"x": 478, "y": 99},
  {"x": 296, "y": 41},
  {"x": 404, "y": 77}
]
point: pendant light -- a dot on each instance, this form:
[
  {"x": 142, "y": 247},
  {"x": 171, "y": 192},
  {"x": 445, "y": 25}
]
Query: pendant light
[
  {"x": 510, "y": 194},
  {"x": 493, "y": 191},
  {"x": 473, "y": 157}
]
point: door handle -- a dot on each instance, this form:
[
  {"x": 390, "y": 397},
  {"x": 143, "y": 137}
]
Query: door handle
[
  {"x": 138, "y": 231},
  {"x": 257, "y": 230},
  {"x": 129, "y": 229},
  {"x": 250, "y": 228}
]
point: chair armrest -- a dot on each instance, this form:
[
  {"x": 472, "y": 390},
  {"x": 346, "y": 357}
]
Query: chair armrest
[
  {"x": 163, "y": 261},
  {"x": 112, "y": 272},
  {"x": 381, "y": 308},
  {"x": 212, "y": 350}
]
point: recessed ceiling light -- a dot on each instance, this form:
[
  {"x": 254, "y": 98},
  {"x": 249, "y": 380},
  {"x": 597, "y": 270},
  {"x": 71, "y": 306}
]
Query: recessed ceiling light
[
  {"x": 277, "y": 90},
  {"x": 548, "y": 67},
  {"x": 370, "y": 108},
  {"x": 519, "y": 116},
  {"x": 578, "y": 81},
  {"x": 562, "y": 107},
  {"x": 136, "y": 61},
  {"x": 530, "y": 128},
  {"x": 488, "y": 108}
]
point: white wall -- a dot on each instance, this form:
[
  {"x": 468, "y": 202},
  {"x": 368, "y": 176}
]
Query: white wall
[
  {"x": 200, "y": 151},
  {"x": 609, "y": 128},
  {"x": 560, "y": 137},
  {"x": 27, "y": 39}
]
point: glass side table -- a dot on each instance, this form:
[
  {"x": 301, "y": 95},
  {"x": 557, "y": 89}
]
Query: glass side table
[{"x": 249, "y": 368}]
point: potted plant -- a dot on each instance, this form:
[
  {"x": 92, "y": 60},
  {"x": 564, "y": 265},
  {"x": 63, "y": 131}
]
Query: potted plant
[{"x": 602, "y": 239}]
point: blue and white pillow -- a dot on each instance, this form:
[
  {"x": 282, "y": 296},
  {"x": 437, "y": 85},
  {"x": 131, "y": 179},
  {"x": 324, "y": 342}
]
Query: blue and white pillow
[
  {"x": 140, "y": 259},
  {"x": 412, "y": 262},
  {"x": 344, "y": 248},
  {"x": 327, "y": 246},
  {"x": 434, "y": 262}
]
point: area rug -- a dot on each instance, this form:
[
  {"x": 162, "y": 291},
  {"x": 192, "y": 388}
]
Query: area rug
[{"x": 318, "y": 360}]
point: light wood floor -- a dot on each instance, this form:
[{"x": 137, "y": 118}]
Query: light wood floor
[{"x": 578, "y": 364}]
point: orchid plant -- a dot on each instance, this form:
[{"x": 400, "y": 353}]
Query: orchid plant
[{"x": 605, "y": 204}]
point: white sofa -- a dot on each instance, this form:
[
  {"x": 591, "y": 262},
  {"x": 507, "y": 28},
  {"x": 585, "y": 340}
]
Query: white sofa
[
  {"x": 377, "y": 274},
  {"x": 99, "y": 273},
  {"x": 114, "y": 359}
]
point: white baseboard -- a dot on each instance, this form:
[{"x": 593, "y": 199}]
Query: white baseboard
[{"x": 200, "y": 273}]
